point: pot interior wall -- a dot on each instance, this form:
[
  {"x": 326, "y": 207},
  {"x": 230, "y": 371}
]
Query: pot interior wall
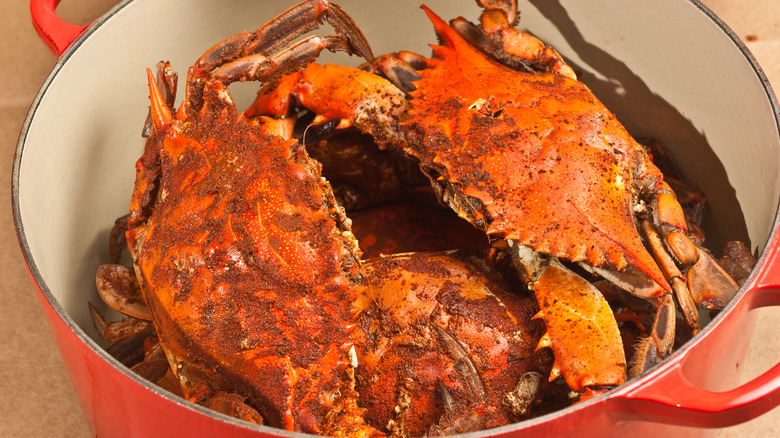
[{"x": 666, "y": 69}]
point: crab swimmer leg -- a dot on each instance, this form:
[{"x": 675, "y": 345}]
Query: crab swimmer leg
[
  {"x": 258, "y": 66},
  {"x": 290, "y": 24},
  {"x": 652, "y": 349}
]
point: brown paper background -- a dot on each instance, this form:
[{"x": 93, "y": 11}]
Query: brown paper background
[{"x": 36, "y": 397}]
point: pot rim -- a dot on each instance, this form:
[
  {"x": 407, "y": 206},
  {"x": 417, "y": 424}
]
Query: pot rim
[{"x": 630, "y": 385}]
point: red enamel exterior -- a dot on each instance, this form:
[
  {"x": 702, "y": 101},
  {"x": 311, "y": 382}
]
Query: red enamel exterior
[
  {"x": 664, "y": 399},
  {"x": 54, "y": 32}
]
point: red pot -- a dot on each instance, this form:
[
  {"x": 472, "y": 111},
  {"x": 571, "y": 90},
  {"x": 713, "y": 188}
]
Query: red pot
[{"x": 671, "y": 70}]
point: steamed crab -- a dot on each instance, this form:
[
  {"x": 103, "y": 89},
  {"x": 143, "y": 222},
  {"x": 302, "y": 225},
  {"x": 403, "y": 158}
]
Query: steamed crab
[
  {"x": 516, "y": 145},
  {"x": 445, "y": 346},
  {"x": 248, "y": 270},
  {"x": 242, "y": 256}
]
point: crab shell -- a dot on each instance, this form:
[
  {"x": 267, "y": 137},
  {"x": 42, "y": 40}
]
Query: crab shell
[
  {"x": 445, "y": 322},
  {"x": 250, "y": 283},
  {"x": 549, "y": 165}
]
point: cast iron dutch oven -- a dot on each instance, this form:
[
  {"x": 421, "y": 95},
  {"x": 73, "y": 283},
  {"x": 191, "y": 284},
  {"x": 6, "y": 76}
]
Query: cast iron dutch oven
[{"x": 669, "y": 69}]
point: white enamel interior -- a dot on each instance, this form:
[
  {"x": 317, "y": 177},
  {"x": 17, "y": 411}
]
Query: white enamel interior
[{"x": 666, "y": 68}]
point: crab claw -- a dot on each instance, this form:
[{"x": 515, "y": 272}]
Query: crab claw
[
  {"x": 705, "y": 283},
  {"x": 167, "y": 80},
  {"x": 277, "y": 102},
  {"x": 497, "y": 37},
  {"x": 353, "y": 97},
  {"x": 581, "y": 329},
  {"x": 508, "y": 8}
]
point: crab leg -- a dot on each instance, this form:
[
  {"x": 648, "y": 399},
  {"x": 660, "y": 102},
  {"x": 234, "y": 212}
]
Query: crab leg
[
  {"x": 672, "y": 272},
  {"x": 399, "y": 68},
  {"x": 119, "y": 289},
  {"x": 705, "y": 282},
  {"x": 290, "y": 24},
  {"x": 244, "y": 57},
  {"x": 254, "y": 67},
  {"x": 117, "y": 239},
  {"x": 117, "y": 330}
]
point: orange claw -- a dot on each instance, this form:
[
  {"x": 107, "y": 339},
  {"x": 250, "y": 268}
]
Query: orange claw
[
  {"x": 353, "y": 97},
  {"x": 277, "y": 101},
  {"x": 581, "y": 330}
]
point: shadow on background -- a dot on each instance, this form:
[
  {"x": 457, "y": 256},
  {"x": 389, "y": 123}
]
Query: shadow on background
[{"x": 640, "y": 110}]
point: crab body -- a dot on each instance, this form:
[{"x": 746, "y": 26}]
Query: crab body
[
  {"x": 242, "y": 256},
  {"x": 246, "y": 278},
  {"x": 443, "y": 341},
  {"x": 550, "y": 170}
]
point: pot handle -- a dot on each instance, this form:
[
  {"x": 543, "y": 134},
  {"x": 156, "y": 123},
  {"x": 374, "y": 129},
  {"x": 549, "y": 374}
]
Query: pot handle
[
  {"x": 679, "y": 401},
  {"x": 56, "y": 33}
]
